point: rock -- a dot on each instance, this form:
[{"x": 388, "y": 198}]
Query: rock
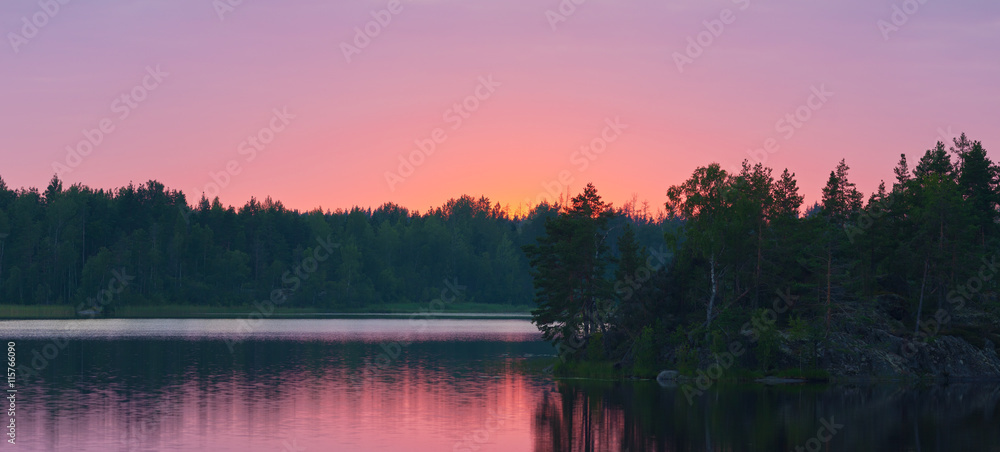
[
  {"x": 667, "y": 377},
  {"x": 991, "y": 351}
]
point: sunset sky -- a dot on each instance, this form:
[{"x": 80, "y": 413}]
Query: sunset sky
[{"x": 340, "y": 109}]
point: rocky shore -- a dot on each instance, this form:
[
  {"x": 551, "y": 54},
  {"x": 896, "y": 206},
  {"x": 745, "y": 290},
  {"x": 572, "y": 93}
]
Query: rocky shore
[{"x": 964, "y": 347}]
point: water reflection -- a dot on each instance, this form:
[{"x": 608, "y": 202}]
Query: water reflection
[
  {"x": 454, "y": 387},
  {"x": 595, "y": 416},
  {"x": 274, "y": 395}
]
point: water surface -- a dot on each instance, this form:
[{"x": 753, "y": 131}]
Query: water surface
[{"x": 435, "y": 385}]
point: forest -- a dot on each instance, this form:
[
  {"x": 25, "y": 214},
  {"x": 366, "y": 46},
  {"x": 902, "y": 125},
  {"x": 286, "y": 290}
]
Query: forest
[
  {"x": 145, "y": 246},
  {"x": 620, "y": 285},
  {"x": 754, "y": 271}
]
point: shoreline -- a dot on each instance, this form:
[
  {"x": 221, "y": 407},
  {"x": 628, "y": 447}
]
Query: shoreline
[{"x": 400, "y": 310}]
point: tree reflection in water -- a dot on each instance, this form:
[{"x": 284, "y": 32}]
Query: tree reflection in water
[{"x": 584, "y": 416}]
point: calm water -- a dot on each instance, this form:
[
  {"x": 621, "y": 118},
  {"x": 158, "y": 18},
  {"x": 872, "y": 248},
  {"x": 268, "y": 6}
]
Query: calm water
[{"x": 445, "y": 385}]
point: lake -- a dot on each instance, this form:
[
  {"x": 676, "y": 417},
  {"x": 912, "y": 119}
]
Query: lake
[{"x": 445, "y": 385}]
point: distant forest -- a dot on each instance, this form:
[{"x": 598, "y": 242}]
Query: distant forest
[{"x": 145, "y": 245}]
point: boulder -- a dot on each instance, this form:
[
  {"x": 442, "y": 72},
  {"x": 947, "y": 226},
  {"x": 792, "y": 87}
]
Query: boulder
[{"x": 667, "y": 377}]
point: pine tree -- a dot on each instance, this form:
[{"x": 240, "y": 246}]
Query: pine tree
[
  {"x": 568, "y": 265},
  {"x": 632, "y": 310},
  {"x": 978, "y": 182},
  {"x": 787, "y": 199},
  {"x": 841, "y": 204}
]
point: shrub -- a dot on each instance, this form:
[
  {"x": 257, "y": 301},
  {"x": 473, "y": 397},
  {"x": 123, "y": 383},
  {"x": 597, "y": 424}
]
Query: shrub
[
  {"x": 595, "y": 348},
  {"x": 644, "y": 364},
  {"x": 767, "y": 346},
  {"x": 687, "y": 359}
]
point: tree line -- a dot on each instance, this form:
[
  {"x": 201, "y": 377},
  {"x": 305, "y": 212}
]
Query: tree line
[
  {"x": 70, "y": 245},
  {"x": 650, "y": 288},
  {"x": 740, "y": 241}
]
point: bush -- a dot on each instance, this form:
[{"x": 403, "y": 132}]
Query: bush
[
  {"x": 718, "y": 344},
  {"x": 687, "y": 359},
  {"x": 644, "y": 364},
  {"x": 767, "y": 346},
  {"x": 798, "y": 328},
  {"x": 595, "y": 348}
]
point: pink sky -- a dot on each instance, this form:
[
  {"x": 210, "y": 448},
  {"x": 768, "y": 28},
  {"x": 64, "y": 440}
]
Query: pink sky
[{"x": 558, "y": 88}]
